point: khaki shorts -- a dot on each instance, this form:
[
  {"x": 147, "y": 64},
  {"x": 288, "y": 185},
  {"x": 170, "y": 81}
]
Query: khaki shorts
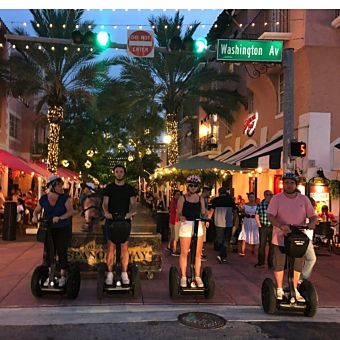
[
  {"x": 174, "y": 231},
  {"x": 186, "y": 229},
  {"x": 279, "y": 260}
]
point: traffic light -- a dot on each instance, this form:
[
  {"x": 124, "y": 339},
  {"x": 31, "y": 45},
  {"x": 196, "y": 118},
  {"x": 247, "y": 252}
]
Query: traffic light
[
  {"x": 188, "y": 44},
  {"x": 298, "y": 149},
  {"x": 100, "y": 40}
]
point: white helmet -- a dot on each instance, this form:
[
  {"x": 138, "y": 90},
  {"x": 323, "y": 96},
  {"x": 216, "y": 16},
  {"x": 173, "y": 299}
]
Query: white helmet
[
  {"x": 90, "y": 186},
  {"x": 52, "y": 180}
]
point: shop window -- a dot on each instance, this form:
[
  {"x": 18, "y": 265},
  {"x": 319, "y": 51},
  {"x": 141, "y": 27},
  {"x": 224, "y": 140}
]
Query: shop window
[{"x": 13, "y": 126}]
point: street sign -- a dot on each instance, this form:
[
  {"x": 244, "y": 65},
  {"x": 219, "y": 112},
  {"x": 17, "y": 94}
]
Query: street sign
[
  {"x": 249, "y": 50},
  {"x": 140, "y": 44}
]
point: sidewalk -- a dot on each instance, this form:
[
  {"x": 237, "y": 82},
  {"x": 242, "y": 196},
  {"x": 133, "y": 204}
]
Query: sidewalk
[{"x": 238, "y": 283}]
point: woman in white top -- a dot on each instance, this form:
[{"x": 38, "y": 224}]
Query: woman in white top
[{"x": 249, "y": 233}]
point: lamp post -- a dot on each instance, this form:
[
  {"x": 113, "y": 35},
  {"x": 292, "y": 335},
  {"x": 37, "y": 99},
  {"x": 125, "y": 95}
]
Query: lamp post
[{"x": 167, "y": 141}]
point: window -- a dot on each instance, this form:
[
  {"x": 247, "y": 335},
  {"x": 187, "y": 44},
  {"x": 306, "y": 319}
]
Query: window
[
  {"x": 280, "y": 93},
  {"x": 13, "y": 126},
  {"x": 250, "y": 101}
]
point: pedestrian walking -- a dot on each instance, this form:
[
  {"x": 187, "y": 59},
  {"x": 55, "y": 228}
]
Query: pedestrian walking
[
  {"x": 249, "y": 233},
  {"x": 222, "y": 207},
  {"x": 265, "y": 231},
  {"x": 173, "y": 224}
]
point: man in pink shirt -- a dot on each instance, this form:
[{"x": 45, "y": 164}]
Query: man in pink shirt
[
  {"x": 173, "y": 219},
  {"x": 285, "y": 208}
]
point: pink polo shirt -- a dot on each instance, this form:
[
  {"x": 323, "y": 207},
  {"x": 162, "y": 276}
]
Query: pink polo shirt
[{"x": 289, "y": 211}]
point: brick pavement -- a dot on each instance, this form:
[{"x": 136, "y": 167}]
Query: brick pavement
[{"x": 238, "y": 283}]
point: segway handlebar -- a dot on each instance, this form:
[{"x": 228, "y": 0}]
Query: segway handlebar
[{"x": 298, "y": 226}]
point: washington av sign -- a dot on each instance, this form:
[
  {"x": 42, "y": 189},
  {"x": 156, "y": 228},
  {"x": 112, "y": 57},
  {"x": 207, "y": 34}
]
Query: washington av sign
[{"x": 249, "y": 50}]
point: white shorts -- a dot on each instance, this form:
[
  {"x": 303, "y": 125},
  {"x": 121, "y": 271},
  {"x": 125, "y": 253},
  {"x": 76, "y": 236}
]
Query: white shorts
[{"x": 186, "y": 229}]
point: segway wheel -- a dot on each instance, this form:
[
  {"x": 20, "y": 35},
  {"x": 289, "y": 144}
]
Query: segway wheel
[
  {"x": 135, "y": 281},
  {"x": 101, "y": 280},
  {"x": 268, "y": 296},
  {"x": 209, "y": 283},
  {"x": 39, "y": 276},
  {"x": 73, "y": 282},
  {"x": 174, "y": 282},
  {"x": 308, "y": 291}
]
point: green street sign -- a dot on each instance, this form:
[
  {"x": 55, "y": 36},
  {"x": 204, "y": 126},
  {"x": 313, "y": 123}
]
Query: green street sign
[{"x": 249, "y": 50}]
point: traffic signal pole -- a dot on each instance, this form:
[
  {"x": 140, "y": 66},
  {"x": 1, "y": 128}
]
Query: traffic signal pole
[
  {"x": 69, "y": 42},
  {"x": 288, "y": 107}
]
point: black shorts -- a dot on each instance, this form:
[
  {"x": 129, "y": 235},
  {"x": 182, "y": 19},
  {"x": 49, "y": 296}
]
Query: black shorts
[
  {"x": 279, "y": 260},
  {"x": 117, "y": 231}
]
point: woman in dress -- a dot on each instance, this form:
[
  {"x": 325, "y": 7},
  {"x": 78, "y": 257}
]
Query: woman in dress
[{"x": 249, "y": 233}]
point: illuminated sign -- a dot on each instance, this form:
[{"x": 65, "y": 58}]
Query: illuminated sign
[{"x": 250, "y": 124}]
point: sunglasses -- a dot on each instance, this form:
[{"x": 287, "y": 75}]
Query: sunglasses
[{"x": 193, "y": 185}]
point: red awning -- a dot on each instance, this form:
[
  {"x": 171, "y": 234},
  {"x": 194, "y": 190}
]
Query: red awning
[
  {"x": 40, "y": 168},
  {"x": 68, "y": 174},
  {"x": 15, "y": 162}
]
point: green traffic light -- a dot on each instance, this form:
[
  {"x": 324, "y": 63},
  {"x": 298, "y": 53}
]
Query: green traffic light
[
  {"x": 201, "y": 45},
  {"x": 103, "y": 39}
]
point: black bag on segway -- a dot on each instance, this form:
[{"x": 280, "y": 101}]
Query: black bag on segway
[
  {"x": 296, "y": 244},
  {"x": 41, "y": 233},
  {"x": 119, "y": 231}
]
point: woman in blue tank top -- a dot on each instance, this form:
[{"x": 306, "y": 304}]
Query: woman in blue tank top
[
  {"x": 57, "y": 211},
  {"x": 190, "y": 207}
]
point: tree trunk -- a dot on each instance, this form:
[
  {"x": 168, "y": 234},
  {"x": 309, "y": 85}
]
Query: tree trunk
[
  {"x": 172, "y": 131},
  {"x": 55, "y": 115}
]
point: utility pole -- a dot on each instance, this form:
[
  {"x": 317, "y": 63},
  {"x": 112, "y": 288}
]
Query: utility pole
[{"x": 288, "y": 106}]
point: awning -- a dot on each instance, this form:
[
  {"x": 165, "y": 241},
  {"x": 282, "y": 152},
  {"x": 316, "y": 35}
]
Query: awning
[
  {"x": 267, "y": 155},
  {"x": 197, "y": 163},
  {"x": 223, "y": 155},
  {"x": 240, "y": 154},
  {"x": 68, "y": 174},
  {"x": 15, "y": 162},
  {"x": 40, "y": 169}
]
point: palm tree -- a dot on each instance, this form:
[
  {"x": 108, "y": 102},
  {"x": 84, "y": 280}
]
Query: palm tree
[
  {"x": 55, "y": 73},
  {"x": 180, "y": 81}
]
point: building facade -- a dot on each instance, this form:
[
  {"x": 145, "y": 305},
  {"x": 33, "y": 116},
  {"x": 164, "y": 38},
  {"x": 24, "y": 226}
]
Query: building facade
[{"x": 315, "y": 37}]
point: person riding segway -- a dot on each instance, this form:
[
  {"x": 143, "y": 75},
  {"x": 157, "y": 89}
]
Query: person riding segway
[
  {"x": 284, "y": 210},
  {"x": 119, "y": 206},
  {"x": 55, "y": 276},
  {"x": 190, "y": 209}
]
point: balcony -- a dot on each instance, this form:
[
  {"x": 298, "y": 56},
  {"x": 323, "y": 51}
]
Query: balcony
[
  {"x": 336, "y": 22},
  {"x": 38, "y": 150},
  {"x": 207, "y": 145},
  {"x": 270, "y": 24}
]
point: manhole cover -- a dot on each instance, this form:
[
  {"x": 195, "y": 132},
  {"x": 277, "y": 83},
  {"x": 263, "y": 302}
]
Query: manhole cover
[{"x": 201, "y": 320}]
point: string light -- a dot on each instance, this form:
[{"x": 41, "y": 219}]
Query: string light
[
  {"x": 38, "y": 25},
  {"x": 88, "y": 164},
  {"x": 51, "y": 25},
  {"x": 64, "y": 26},
  {"x": 54, "y": 116},
  {"x": 65, "y": 48},
  {"x": 52, "y": 48},
  {"x": 172, "y": 131},
  {"x": 25, "y": 23},
  {"x": 253, "y": 24}
]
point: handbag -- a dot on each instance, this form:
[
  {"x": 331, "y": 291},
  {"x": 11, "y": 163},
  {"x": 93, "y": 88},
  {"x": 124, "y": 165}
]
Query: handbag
[{"x": 42, "y": 233}]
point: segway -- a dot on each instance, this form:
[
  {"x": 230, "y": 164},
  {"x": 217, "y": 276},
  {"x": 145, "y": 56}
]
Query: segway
[
  {"x": 296, "y": 243},
  {"x": 41, "y": 273},
  {"x": 119, "y": 231},
  {"x": 175, "y": 288}
]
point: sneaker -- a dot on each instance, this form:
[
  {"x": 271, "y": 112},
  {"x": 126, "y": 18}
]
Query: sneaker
[
  {"x": 199, "y": 282},
  {"x": 62, "y": 281},
  {"x": 125, "y": 278},
  {"x": 299, "y": 297},
  {"x": 183, "y": 281},
  {"x": 109, "y": 279},
  {"x": 175, "y": 253},
  {"x": 220, "y": 260},
  {"x": 168, "y": 249},
  {"x": 279, "y": 293}
]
